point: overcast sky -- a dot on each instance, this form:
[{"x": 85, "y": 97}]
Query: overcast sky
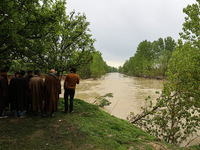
[{"x": 120, "y": 25}]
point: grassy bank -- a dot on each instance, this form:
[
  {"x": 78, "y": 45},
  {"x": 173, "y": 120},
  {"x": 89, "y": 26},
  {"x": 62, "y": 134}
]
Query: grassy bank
[{"x": 87, "y": 128}]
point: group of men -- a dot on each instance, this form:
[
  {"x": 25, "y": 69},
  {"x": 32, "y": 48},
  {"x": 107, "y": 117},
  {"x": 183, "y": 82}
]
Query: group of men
[{"x": 32, "y": 93}]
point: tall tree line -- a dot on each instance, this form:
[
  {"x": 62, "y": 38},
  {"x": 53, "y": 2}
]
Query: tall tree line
[{"x": 151, "y": 58}]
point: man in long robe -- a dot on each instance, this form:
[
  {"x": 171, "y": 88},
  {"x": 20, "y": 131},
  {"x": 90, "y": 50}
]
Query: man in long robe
[
  {"x": 36, "y": 85},
  {"x": 13, "y": 93},
  {"x": 3, "y": 91},
  {"x": 28, "y": 77},
  {"x": 18, "y": 94},
  {"x": 52, "y": 89}
]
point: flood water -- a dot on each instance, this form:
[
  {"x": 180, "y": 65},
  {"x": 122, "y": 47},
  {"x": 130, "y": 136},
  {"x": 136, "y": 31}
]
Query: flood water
[{"x": 129, "y": 93}]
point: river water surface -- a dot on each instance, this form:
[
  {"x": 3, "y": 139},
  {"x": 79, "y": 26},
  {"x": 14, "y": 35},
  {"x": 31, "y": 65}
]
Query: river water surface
[{"x": 129, "y": 94}]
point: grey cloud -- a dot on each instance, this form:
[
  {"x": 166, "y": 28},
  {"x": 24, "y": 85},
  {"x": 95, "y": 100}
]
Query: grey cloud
[{"x": 120, "y": 25}]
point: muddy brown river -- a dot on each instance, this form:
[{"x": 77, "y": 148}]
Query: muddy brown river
[{"x": 129, "y": 93}]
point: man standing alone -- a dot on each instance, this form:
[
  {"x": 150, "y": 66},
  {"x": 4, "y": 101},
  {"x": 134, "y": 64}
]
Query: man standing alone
[
  {"x": 52, "y": 89},
  {"x": 69, "y": 85}
]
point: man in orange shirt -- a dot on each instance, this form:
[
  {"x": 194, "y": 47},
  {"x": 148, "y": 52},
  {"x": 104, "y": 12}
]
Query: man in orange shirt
[{"x": 69, "y": 85}]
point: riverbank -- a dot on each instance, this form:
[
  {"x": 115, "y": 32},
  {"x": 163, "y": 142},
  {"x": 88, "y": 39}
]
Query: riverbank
[
  {"x": 87, "y": 128},
  {"x": 129, "y": 94},
  {"x": 148, "y": 77}
]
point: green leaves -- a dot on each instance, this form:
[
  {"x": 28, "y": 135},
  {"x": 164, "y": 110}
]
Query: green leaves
[
  {"x": 175, "y": 115},
  {"x": 40, "y": 32},
  {"x": 191, "y": 26},
  {"x": 150, "y": 59},
  {"x": 71, "y": 45},
  {"x": 24, "y": 25},
  {"x": 102, "y": 101}
]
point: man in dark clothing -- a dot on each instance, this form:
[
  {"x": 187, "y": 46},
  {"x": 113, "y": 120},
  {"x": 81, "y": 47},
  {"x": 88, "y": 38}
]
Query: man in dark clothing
[
  {"x": 17, "y": 74},
  {"x": 13, "y": 93},
  {"x": 28, "y": 77},
  {"x": 18, "y": 92},
  {"x": 52, "y": 89},
  {"x": 3, "y": 92},
  {"x": 69, "y": 85}
]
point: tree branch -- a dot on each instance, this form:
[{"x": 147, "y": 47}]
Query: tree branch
[{"x": 149, "y": 112}]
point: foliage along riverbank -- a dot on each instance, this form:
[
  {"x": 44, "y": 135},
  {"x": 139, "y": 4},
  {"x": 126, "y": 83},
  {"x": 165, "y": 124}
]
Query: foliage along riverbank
[
  {"x": 87, "y": 128},
  {"x": 175, "y": 115},
  {"x": 151, "y": 59}
]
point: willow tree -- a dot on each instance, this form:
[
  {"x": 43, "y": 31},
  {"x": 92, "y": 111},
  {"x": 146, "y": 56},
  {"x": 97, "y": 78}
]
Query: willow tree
[{"x": 175, "y": 116}]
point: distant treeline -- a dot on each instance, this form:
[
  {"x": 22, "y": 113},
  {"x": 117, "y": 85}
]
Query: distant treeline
[
  {"x": 96, "y": 68},
  {"x": 151, "y": 58}
]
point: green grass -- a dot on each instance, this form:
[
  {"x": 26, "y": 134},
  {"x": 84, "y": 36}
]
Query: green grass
[
  {"x": 195, "y": 147},
  {"x": 87, "y": 128}
]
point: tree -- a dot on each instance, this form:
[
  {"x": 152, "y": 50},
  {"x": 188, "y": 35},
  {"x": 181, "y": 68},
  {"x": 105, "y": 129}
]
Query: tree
[
  {"x": 44, "y": 35},
  {"x": 23, "y": 26},
  {"x": 191, "y": 26},
  {"x": 69, "y": 45},
  {"x": 175, "y": 116},
  {"x": 162, "y": 59},
  {"x": 96, "y": 68},
  {"x": 151, "y": 58}
]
